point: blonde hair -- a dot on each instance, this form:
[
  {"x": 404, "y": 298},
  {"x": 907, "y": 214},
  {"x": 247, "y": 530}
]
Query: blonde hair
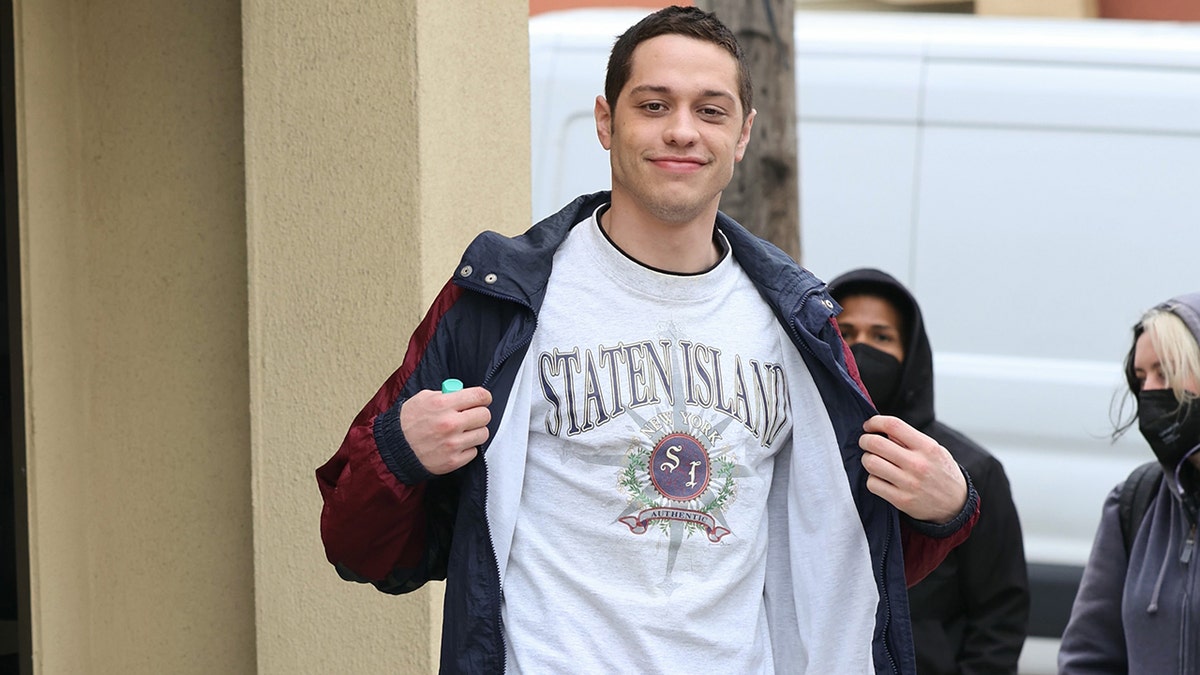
[
  {"x": 1178, "y": 354},
  {"x": 1178, "y": 351}
]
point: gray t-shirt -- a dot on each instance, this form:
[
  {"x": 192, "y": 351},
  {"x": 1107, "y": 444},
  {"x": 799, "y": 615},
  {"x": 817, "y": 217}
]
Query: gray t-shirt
[{"x": 659, "y": 404}]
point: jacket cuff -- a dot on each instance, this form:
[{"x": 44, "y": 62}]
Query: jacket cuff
[
  {"x": 394, "y": 449},
  {"x": 943, "y": 530}
]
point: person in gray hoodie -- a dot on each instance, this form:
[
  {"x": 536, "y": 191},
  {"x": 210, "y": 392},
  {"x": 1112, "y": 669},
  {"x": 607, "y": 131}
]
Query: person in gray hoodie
[{"x": 1138, "y": 610}]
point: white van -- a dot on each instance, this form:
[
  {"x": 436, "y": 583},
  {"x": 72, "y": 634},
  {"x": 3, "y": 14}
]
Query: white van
[{"x": 1036, "y": 183}]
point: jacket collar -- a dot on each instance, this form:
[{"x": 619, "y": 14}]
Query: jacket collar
[{"x": 517, "y": 268}]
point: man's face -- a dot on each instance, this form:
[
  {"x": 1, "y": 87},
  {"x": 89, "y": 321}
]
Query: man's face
[
  {"x": 677, "y": 128},
  {"x": 871, "y": 320}
]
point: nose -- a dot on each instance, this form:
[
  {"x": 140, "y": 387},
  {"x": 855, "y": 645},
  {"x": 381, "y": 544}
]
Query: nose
[{"x": 681, "y": 130}]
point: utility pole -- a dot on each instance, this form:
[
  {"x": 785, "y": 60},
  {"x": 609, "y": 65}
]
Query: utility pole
[{"x": 765, "y": 193}]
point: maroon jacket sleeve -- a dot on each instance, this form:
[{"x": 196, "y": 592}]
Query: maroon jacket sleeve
[
  {"x": 926, "y": 545},
  {"x": 374, "y": 522}
]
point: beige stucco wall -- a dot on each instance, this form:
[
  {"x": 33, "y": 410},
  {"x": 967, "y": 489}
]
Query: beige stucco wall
[
  {"x": 226, "y": 240},
  {"x": 49, "y": 196},
  {"x": 163, "y": 224},
  {"x": 135, "y": 334},
  {"x": 380, "y": 137}
]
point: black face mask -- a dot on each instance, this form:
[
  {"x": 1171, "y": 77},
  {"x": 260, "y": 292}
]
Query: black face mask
[
  {"x": 880, "y": 372},
  {"x": 1171, "y": 430}
]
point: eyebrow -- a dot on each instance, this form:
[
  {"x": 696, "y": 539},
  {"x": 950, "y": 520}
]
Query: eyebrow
[{"x": 663, "y": 89}]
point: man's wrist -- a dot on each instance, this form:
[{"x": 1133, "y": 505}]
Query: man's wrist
[{"x": 943, "y": 530}]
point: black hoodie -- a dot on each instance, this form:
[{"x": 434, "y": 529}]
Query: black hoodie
[{"x": 970, "y": 614}]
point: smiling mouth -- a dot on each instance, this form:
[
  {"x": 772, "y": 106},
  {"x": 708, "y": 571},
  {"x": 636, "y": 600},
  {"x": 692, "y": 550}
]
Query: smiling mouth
[{"x": 678, "y": 164}]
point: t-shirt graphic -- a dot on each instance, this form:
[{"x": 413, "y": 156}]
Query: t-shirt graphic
[{"x": 679, "y": 470}]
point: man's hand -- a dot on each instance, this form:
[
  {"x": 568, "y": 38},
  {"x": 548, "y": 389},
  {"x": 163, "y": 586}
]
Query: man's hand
[
  {"x": 446, "y": 430},
  {"x": 911, "y": 471}
]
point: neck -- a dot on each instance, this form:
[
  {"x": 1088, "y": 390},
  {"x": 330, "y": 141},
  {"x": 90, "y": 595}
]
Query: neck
[{"x": 680, "y": 247}]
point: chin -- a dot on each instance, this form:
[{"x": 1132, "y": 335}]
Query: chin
[
  {"x": 679, "y": 213},
  {"x": 681, "y": 208}
]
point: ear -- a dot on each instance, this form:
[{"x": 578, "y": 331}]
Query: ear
[
  {"x": 744, "y": 139},
  {"x": 603, "y": 115}
]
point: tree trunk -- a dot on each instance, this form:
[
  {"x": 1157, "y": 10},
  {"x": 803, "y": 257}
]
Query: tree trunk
[{"x": 765, "y": 193}]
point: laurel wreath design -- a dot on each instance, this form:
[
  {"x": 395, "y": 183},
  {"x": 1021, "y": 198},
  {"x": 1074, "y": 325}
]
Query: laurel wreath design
[
  {"x": 724, "y": 472},
  {"x": 639, "y": 463}
]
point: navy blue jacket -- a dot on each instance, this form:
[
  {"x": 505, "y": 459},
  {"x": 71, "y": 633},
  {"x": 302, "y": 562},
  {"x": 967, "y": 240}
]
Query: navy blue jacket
[{"x": 388, "y": 521}]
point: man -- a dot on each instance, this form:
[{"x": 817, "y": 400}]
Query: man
[
  {"x": 657, "y": 466},
  {"x": 970, "y": 614}
]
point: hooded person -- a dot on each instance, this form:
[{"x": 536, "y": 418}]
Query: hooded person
[
  {"x": 1138, "y": 607},
  {"x": 970, "y": 615}
]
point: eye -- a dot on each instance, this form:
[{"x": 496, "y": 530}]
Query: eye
[
  {"x": 712, "y": 112},
  {"x": 654, "y": 107}
]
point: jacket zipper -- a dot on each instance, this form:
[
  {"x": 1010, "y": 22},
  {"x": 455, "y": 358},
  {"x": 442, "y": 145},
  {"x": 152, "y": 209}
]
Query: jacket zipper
[
  {"x": 887, "y": 542},
  {"x": 1185, "y": 557},
  {"x": 520, "y": 345},
  {"x": 491, "y": 540}
]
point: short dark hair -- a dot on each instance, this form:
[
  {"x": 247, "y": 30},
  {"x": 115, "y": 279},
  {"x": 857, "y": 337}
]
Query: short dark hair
[{"x": 675, "y": 20}]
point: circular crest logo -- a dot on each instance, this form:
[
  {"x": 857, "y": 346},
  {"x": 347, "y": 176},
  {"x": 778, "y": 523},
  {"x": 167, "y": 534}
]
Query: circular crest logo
[{"x": 679, "y": 467}]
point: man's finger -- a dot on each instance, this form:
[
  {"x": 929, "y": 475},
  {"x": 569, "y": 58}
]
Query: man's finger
[
  {"x": 883, "y": 469},
  {"x": 465, "y": 399},
  {"x": 884, "y": 448},
  {"x": 896, "y": 429}
]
